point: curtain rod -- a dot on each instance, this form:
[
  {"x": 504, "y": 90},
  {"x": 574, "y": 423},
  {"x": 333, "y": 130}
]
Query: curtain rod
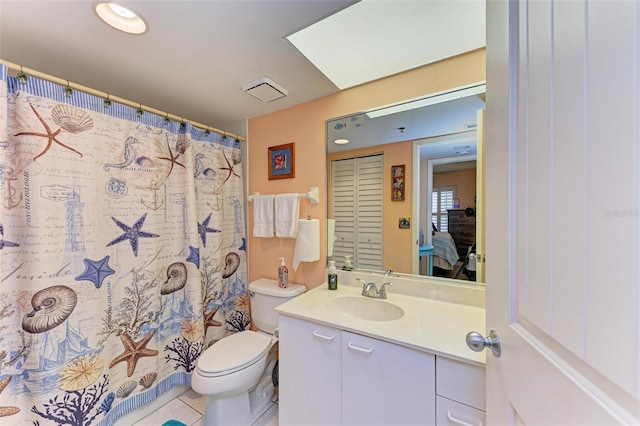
[{"x": 75, "y": 86}]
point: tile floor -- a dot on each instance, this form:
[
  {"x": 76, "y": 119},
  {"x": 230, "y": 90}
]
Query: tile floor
[{"x": 188, "y": 408}]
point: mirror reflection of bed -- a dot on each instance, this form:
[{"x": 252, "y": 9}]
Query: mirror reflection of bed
[{"x": 453, "y": 199}]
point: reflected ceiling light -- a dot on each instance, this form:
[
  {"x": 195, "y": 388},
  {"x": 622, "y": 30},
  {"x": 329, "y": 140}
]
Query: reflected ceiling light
[
  {"x": 120, "y": 17},
  {"x": 341, "y": 141},
  {"x": 437, "y": 98}
]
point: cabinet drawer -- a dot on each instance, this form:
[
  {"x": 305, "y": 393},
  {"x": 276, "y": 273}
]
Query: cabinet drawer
[
  {"x": 451, "y": 413},
  {"x": 461, "y": 382}
]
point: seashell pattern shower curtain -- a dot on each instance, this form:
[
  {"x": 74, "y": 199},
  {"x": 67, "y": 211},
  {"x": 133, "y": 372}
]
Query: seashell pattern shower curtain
[{"x": 122, "y": 253}]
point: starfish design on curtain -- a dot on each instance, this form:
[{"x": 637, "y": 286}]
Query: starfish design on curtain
[
  {"x": 173, "y": 160},
  {"x": 229, "y": 168},
  {"x": 209, "y": 321},
  {"x": 96, "y": 271},
  {"x": 51, "y": 136},
  {"x": 132, "y": 233},
  {"x": 194, "y": 256},
  {"x": 203, "y": 228},
  {"x": 133, "y": 351}
]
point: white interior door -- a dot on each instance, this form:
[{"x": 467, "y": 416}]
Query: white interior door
[{"x": 563, "y": 211}]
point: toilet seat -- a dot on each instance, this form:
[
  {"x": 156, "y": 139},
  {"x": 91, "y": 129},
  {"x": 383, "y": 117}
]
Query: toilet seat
[{"x": 233, "y": 353}]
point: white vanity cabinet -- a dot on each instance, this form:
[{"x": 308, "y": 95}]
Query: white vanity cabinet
[
  {"x": 332, "y": 377},
  {"x": 385, "y": 384}
]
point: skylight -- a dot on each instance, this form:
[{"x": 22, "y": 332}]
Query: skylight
[{"x": 373, "y": 39}]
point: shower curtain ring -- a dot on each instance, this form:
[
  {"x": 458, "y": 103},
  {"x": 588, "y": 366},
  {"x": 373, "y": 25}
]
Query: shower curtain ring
[
  {"x": 207, "y": 132},
  {"x": 68, "y": 91},
  {"x": 107, "y": 101},
  {"x": 166, "y": 118},
  {"x": 22, "y": 76},
  {"x": 139, "y": 111}
]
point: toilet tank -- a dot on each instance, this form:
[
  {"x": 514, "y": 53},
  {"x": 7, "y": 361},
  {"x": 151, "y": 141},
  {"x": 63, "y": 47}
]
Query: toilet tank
[{"x": 265, "y": 296}]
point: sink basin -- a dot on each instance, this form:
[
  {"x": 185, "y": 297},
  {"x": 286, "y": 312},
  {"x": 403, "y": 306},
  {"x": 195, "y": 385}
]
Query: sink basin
[{"x": 365, "y": 308}]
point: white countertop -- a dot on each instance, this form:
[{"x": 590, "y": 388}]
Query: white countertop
[{"x": 428, "y": 325}]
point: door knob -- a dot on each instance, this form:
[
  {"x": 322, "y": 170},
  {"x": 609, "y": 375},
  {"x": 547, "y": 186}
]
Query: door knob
[{"x": 477, "y": 343}]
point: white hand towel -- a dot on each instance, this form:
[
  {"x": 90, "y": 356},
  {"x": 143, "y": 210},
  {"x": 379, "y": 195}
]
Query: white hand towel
[
  {"x": 263, "y": 216},
  {"x": 307, "y": 243},
  {"x": 287, "y": 211}
]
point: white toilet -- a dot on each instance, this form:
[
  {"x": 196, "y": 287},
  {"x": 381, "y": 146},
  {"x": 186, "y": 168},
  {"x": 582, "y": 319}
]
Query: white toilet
[{"x": 235, "y": 374}]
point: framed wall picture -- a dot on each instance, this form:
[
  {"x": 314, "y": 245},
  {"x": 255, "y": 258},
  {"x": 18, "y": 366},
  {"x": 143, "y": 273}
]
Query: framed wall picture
[
  {"x": 397, "y": 183},
  {"x": 282, "y": 161}
]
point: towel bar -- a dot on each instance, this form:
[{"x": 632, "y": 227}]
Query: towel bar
[{"x": 313, "y": 195}]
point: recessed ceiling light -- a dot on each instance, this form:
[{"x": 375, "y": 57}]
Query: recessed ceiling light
[
  {"x": 120, "y": 17},
  {"x": 341, "y": 141}
]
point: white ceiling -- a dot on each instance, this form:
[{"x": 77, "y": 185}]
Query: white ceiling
[{"x": 195, "y": 57}]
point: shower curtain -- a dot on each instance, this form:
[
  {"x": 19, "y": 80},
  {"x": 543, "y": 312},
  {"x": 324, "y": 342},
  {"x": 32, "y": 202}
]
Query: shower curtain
[{"x": 122, "y": 253}]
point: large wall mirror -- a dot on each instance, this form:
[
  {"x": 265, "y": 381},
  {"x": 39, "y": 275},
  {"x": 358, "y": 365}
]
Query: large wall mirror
[{"x": 405, "y": 187}]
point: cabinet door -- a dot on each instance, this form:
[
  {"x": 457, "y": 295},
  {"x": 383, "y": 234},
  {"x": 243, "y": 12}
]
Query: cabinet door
[
  {"x": 386, "y": 384},
  {"x": 309, "y": 373}
]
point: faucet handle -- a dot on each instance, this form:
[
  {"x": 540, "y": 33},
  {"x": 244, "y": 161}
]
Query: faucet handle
[
  {"x": 361, "y": 280},
  {"x": 382, "y": 293}
]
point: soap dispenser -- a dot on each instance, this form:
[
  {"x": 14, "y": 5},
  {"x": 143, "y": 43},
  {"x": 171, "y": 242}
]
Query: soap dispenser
[
  {"x": 332, "y": 278},
  {"x": 283, "y": 274}
]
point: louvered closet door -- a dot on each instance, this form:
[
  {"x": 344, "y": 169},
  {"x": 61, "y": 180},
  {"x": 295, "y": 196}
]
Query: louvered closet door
[
  {"x": 357, "y": 210},
  {"x": 343, "y": 206},
  {"x": 369, "y": 212}
]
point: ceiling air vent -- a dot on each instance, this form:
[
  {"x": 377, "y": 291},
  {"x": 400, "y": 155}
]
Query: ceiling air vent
[{"x": 264, "y": 89}]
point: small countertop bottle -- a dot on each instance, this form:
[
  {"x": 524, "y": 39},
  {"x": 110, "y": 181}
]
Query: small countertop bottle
[{"x": 332, "y": 278}]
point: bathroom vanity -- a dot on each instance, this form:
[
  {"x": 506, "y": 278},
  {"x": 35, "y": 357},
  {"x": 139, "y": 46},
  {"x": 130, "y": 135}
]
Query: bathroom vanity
[{"x": 349, "y": 359}]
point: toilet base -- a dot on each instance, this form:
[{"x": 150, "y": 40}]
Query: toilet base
[{"x": 242, "y": 409}]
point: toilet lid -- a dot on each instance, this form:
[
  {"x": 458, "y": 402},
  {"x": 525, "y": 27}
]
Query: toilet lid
[{"x": 234, "y": 352}]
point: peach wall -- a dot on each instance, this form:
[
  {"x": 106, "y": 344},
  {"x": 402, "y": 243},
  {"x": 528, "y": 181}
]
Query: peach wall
[
  {"x": 396, "y": 242},
  {"x": 304, "y": 125},
  {"x": 463, "y": 180}
]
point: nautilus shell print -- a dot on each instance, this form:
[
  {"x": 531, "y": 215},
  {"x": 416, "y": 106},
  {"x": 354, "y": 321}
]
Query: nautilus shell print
[
  {"x": 231, "y": 264},
  {"x": 176, "y": 278},
  {"x": 71, "y": 119},
  {"x": 51, "y": 306}
]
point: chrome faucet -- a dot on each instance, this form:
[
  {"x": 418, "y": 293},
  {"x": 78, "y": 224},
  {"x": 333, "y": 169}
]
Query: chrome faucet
[
  {"x": 370, "y": 289},
  {"x": 382, "y": 293}
]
